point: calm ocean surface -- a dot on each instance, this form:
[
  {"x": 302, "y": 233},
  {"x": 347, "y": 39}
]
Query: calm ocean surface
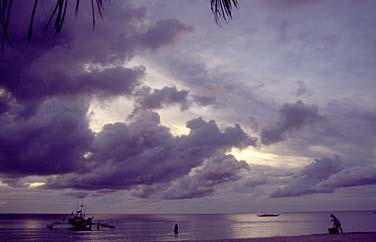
[{"x": 32, "y": 227}]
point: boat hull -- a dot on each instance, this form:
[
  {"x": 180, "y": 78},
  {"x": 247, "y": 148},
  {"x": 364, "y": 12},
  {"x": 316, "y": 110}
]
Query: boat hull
[{"x": 268, "y": 215}]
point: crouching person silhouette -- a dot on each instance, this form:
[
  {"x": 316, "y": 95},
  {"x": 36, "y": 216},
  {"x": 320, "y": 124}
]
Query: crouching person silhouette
[{"x": 336, "y": 223}]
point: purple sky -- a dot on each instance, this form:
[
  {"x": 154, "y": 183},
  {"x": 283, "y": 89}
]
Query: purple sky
[{"x": 159, "y": 110}]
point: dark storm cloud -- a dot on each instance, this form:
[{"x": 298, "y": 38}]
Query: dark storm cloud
[
  {"x": 107, "y": 82},
  {"x": 208, "y": 87},
  {"x": 208, "y": 134},
  {"x": 325, "y": 176},
  {"x": 112, "y": 81},
  {"x": 158, "y": 98},
  {"x": 348, "y": 130},
  {"x": 216, "y": 87},
  {"x": 53, "y": 83},
  {"x": 218, "y": 174},
  {"x": 292, "y": 116},
  {"x": 53, "y": 78},
  {"x": 149, "y": 191},
  {"x": 202, "y": 180},
  {"x": 305, "y": 182},
  {"x": 143, "y": 152},
  {"x": 55, "y": 64},
  {"x": 205, "y": 100},
  {"x": 188, "y": 189},
  {"x": 52, "y": 141},
  {"x": 153, "y": 99},
  {"x": 350, "y": 177}
]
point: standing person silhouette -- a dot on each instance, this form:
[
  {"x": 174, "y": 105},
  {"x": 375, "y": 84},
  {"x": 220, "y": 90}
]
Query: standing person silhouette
[
  {"x": 176, "y": 230},
  {"x": 336, "y": 223}
]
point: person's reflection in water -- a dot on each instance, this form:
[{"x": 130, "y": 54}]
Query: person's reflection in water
[{"x": 176, "y": 230}]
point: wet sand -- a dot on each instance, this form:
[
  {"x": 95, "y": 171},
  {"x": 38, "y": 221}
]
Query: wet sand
[{"x": 346, "y": 237}]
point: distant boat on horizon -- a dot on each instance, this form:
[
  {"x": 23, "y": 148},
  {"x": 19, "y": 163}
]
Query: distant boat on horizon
[{"x": 268, "y": 214}]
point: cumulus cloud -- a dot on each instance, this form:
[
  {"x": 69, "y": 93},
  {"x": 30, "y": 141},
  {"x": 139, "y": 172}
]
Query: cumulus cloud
[
  {"x": 306, "y": 181},
  {"x": 37, "y": 86},
  {"x": 201, "y": 181},
  {"x": 350, "y": 177},
  {"x": 52, "y": 141},
  {"x": 153, "y": 99},
  {"x": 55, "y": 64},
  {"x": 348, "y": 130},
  {"x": 217, "y": 174},
  {"x": 205, "y": 100},
  {"x": 326, "y": 175},
  {"x": 143, "y": 152},
  {"x": 292, "y": 116},
  {"x": 110, "y": 81},
  {"x": 158, "y": 98},
  {"x": 214, "y": 86},
  {"x": 46, "y": 85}
]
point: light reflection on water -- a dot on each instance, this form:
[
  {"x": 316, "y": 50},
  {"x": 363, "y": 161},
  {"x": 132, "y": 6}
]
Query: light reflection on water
[
  {"x": 286, "y": 224},
  {"x": 32, "y": 223},
  {"x": 160, "y": 227}
]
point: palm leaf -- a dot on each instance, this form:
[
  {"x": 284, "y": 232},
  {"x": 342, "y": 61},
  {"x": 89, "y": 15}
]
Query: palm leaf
[{"x": 222, "y": 9}]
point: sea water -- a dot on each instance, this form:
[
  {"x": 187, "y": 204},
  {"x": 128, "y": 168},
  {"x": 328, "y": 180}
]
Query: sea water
[{"x": 32, "y": 227}]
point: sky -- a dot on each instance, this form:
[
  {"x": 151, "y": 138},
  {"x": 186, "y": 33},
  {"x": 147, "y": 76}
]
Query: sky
[{"x": 161, "y": 110}]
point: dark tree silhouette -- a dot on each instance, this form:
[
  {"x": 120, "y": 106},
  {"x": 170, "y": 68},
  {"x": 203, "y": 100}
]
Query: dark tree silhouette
[{"x": 222, "y": 10}]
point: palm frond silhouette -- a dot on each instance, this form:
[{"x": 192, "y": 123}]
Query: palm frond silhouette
[{"x": 221, "y": 9}]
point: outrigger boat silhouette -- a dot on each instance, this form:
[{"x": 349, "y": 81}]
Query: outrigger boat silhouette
[
  {"x": 78, "y": 222},
  {"x": 268, "y": 214}
]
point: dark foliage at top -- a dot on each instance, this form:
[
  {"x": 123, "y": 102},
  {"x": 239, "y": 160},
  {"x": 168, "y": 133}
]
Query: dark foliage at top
[
  {"x": 58, "y": 15},
  {"x": 222, "y": 10}
]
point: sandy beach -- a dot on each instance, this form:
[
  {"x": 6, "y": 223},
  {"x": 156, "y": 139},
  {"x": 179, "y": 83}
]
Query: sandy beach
[{"x": 346, "y": 237}]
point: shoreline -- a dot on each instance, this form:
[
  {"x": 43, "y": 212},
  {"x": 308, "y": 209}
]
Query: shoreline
[{"x": 345, "y": 237}]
